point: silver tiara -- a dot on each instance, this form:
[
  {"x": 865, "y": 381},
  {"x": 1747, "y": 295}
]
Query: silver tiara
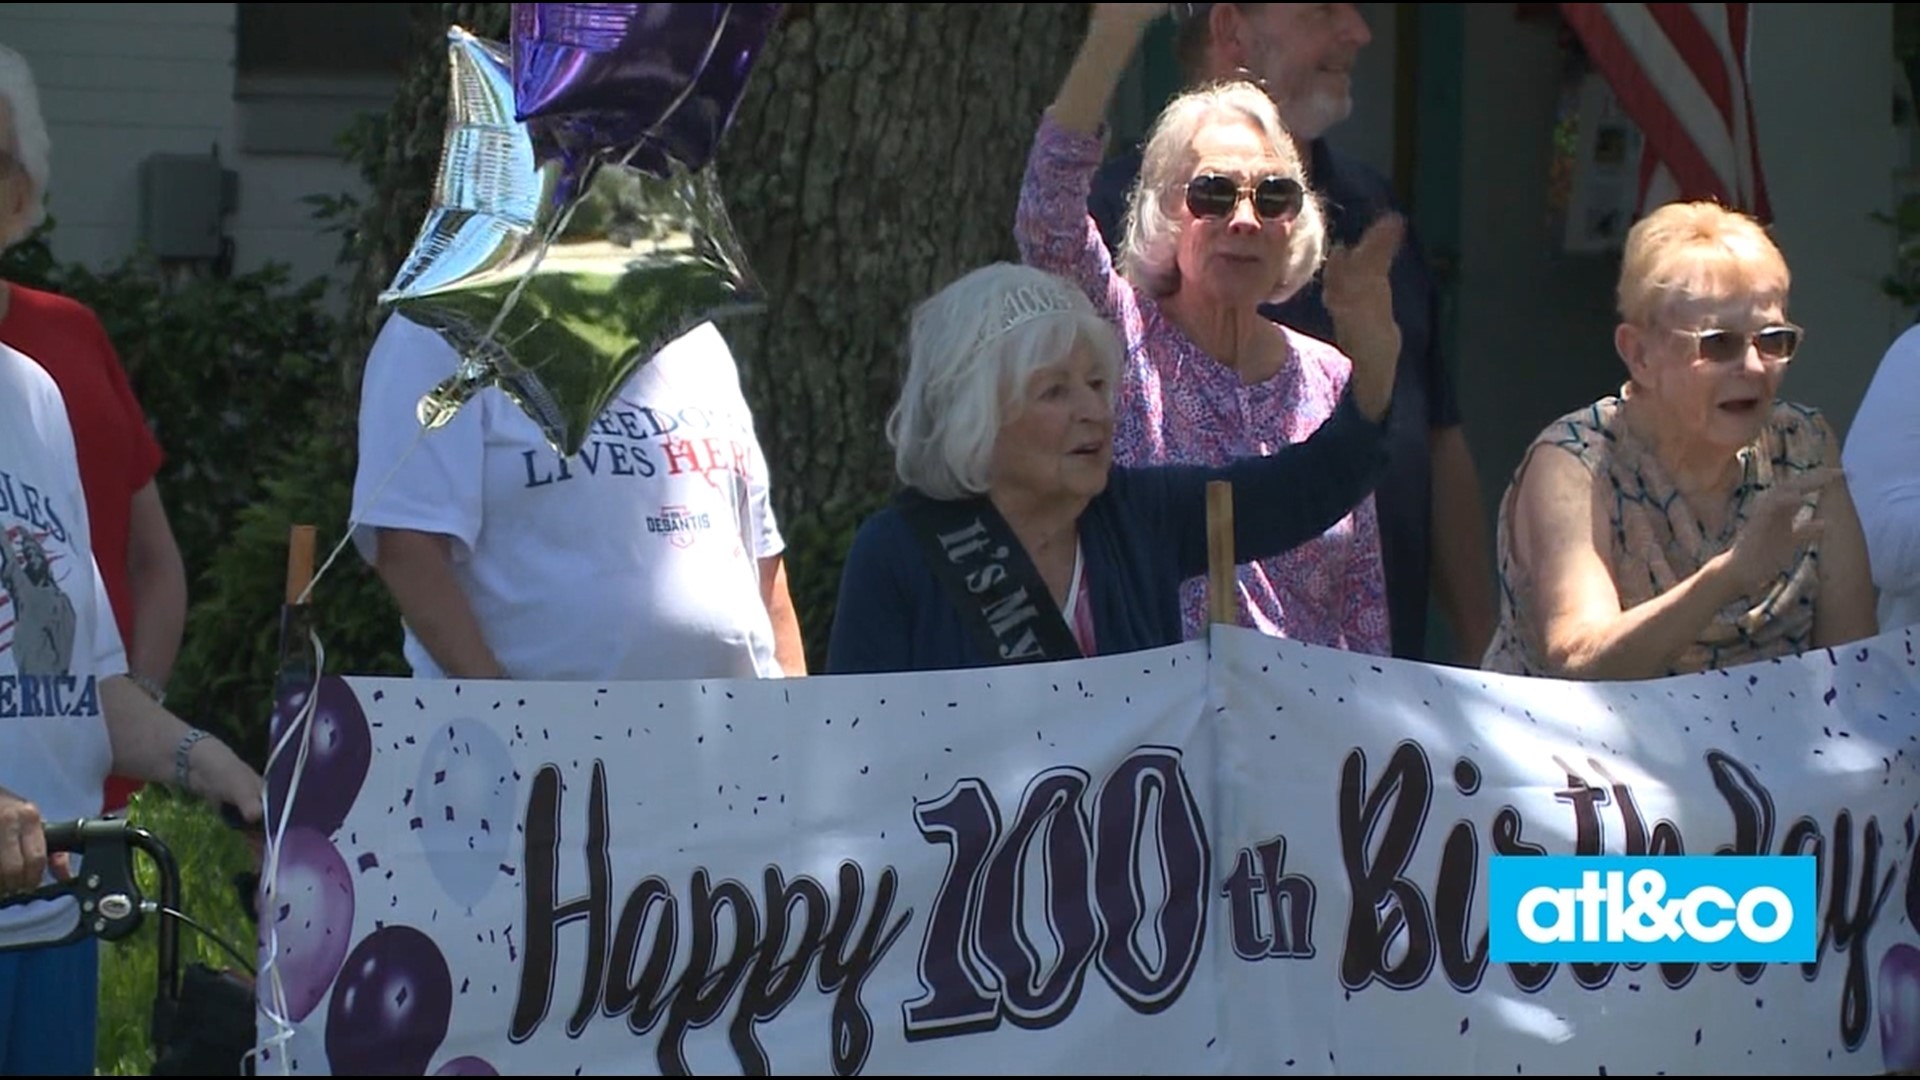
[{"x": 1029, "y": 302}]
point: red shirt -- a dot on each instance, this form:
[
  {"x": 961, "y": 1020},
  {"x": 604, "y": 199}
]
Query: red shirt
[{"x": 118, "y": 453}]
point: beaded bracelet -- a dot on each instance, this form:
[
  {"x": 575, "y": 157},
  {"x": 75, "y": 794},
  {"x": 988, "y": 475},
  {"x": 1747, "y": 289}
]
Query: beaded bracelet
[{"x": 181, "y": 754}]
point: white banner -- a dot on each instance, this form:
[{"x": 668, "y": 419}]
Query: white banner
[{"x": 1267, "y": 860}]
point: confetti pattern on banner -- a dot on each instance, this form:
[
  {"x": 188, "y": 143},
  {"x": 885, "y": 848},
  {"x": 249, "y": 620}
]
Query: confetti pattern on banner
[
  {"x": 1369, "y": 796},
  {"x": 1257, "y": 861}
]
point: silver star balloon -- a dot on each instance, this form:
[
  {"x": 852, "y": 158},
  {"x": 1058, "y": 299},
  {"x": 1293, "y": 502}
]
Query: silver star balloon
[{"x": 556, "y": 297}]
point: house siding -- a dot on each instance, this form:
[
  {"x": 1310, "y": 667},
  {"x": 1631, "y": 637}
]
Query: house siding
[{"x": 122, "y": 82}]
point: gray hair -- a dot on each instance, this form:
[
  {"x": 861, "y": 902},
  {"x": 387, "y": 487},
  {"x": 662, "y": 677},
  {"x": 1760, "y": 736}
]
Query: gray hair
[
  {"x": 971, "y": 348},
  {"x": 31, "y": 146},
  {"x": 1152, "y": 236}
]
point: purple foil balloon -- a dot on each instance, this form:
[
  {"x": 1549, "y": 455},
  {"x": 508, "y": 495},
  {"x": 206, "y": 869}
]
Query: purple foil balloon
[
  {"x": 638, "y": 58},
  {"x": 691, "y": 133},
  {"x": 633, "y": 83}
]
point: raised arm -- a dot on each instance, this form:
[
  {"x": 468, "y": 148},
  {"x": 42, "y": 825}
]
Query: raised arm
[
  {"x": 1279, "y": 501},
  {"x": 1051, "y": 225}
]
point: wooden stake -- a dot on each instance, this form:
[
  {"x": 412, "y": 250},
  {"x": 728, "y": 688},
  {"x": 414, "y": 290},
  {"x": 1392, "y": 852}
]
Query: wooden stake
[
  {"x": 1223, "y": 591},
  {"x": 299, "y": 562}
]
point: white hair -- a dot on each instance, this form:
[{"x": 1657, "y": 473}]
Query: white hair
[
  {"x": 31, "y": 146},
  {"x": 971, "y": 349},
  {"x": 1150, "y": 248}
]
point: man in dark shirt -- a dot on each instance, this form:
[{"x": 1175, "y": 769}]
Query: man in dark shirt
[{"x": 1432, "y": 530}]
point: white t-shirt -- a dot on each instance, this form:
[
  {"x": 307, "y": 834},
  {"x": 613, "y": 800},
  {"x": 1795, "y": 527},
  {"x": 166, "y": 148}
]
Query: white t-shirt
[
  {"x": 635, "y": 558},
  {"x": 1882, "y": 460},
  {"x": 57, "y": 634}
]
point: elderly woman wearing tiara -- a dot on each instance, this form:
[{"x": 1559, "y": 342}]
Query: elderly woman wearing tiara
[{"x": 1017, "y": 538}]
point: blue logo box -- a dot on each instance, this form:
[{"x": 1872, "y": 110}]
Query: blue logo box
[{"x": 1651, "y": 909}]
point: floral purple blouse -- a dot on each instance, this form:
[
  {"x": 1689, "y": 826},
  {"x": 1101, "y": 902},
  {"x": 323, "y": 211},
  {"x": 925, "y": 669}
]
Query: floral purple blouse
[{"x": 1179, "y": 405}]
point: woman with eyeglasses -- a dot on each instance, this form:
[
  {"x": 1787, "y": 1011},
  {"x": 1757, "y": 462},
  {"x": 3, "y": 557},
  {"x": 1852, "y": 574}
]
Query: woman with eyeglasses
[
  {"x": 1693, "y": 521},
  {"x": 1220, "y": 223}
]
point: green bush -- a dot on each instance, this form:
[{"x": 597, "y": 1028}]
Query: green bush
[
  {"x": 233, "y": 627},
  {"x": 223, "y": 366}
]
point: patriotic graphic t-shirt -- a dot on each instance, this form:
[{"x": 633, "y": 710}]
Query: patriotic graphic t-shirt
[{"x": 57, "y": 635}]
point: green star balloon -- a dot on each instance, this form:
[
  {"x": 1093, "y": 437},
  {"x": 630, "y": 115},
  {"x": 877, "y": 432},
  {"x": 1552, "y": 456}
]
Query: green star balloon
[{"x": 556, "y": 297}]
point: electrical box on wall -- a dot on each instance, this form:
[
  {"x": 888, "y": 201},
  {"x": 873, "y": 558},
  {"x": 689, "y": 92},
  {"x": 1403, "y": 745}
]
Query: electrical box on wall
[{"x": 184, "y": 201}]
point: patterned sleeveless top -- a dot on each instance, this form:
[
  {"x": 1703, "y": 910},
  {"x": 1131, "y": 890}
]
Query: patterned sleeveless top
[{"x": 1656, "y": 541}]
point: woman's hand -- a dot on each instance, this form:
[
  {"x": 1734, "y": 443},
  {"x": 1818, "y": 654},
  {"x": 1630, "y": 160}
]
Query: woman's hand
[
  {"x": 217, "y": 775},
  {"x": 1358, "y": 292},
  {"x": 23, "y": 846},
  {"x": 1780, "y": 524}
]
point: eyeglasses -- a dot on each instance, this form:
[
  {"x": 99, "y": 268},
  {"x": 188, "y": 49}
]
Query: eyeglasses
[
  {"x": 1776, "y": 344},
  {"x": 1211, "y": 195}
]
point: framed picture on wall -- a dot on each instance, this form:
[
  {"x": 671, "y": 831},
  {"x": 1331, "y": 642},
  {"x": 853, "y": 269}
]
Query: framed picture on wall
[{"x": 1601, "y": 170}]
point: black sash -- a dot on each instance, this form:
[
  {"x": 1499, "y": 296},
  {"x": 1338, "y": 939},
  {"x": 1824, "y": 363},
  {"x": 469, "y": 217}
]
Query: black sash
[{"x": 992, "y": 583}]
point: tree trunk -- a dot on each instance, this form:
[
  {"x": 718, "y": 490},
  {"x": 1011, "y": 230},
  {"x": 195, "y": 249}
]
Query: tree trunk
[{"x": 876, "y": 156}]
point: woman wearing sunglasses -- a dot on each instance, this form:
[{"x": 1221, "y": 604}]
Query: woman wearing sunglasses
[
  {"x": 1219, "y": 224},
  {"x": 1693, "y": 521}
]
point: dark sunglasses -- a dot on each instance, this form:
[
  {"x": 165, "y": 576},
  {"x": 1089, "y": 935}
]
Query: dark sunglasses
[
  {"x": 1775, "y": 344},
  {"x": 1211, "y": 195}
]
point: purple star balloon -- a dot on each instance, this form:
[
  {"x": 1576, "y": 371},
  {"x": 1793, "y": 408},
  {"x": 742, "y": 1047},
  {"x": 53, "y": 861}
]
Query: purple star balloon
[{"x": 633, "y": 83}]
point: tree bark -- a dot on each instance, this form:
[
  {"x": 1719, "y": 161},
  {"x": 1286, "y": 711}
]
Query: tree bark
[{"x": 876, "y": 155}]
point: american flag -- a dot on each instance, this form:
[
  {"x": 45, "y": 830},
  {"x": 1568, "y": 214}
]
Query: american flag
[{"x": 1680, "y": 73}]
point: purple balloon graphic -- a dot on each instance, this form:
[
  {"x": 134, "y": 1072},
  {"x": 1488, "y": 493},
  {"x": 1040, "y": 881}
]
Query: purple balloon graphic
[
  {"x": 1899, "y": 985},
  {"x": 311, "y": 915},
  {"x": 466, "y": 1066},
  {"x": 466, "y": 803},
  {"x": 339, "y": 752},
  {"x": 391, "y": 1006}
]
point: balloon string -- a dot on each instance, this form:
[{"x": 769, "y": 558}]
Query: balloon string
[
  {"x": 354, "y": 521},
  {"x": 275, "y": 1008}
]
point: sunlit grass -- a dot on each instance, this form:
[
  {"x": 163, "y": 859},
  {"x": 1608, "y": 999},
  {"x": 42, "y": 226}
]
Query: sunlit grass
[{"x": 209, "y": 854}]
